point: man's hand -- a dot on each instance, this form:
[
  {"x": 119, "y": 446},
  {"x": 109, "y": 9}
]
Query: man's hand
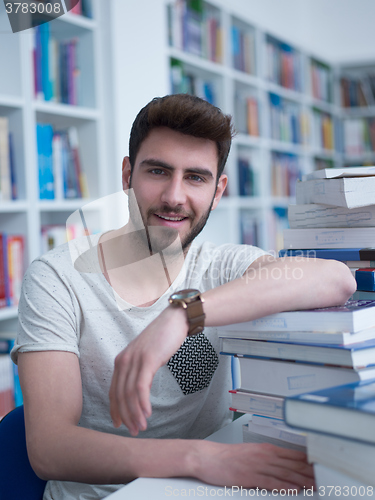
[
  {"x": 137, "y": 364},
  {"x": 252, "y": 465}
]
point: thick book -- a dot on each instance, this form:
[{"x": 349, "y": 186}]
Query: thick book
[
  {"x": 356, "y": 355},
  {"x": 363, "y": 295},
  {"x": 345, "y": 237},
  {"x": 354, "y": 316},
  {"x": 301, "y": 337},
  {"x": 350, "y": 192},
  {"x": 314, "y": 215},
  {"x": 334, "y": 173},
  {"x": 347, "y": 411},
  {"x": 261, "y": 404},
  {"x": 279, "y": 435},
  {"x": 331, "y": 483},
  {"x": 342, "y": 254},
  {"x": 287, "y": 378},
  {"x": 346, "y": 456}
]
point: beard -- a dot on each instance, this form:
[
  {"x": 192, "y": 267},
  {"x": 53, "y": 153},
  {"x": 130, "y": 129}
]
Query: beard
[{"x": 161, "y": 238}]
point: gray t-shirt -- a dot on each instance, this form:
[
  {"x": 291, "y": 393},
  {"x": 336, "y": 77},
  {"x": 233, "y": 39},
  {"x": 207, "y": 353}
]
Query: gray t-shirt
[{"x": 64, "y": 309}]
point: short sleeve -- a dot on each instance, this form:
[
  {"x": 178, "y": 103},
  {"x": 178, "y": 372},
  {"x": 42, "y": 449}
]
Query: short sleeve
[
  {"x": 221, "y": 264},
  {"x": 47, "y": 313}
]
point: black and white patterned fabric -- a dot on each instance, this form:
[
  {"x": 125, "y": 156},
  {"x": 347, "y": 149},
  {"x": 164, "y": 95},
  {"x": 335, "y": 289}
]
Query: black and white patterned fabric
[{"x": 194, "y": 364}]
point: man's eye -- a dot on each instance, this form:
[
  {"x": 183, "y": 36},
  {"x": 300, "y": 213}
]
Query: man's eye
[
  {"x": 196, "y": 178},
  {"x": 157, "y": 171}
]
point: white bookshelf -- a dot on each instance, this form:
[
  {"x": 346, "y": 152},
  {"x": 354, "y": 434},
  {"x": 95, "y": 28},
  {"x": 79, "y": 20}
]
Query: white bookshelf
[
  {"x": 28, "y": 213},
  {"x": 305, "y": 99}
]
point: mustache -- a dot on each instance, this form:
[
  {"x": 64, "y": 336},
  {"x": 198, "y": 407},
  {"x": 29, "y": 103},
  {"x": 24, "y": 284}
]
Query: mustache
[{"x": 164, "y": 210}]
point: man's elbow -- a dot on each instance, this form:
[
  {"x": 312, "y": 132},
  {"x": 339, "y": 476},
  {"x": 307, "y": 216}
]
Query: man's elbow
[{"x": 347, "y": 284}]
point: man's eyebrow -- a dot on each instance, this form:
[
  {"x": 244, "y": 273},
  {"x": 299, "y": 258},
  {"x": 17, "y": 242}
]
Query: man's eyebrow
[{"x": 153, "y": 162}]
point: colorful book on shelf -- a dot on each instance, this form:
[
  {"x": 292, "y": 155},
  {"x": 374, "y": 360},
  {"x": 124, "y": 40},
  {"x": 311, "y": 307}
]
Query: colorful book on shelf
[
  {"x": 356, "y": 355},
  {"x": 287, "y": 378},
  {"x": 252, "y": 402},
  {"x": 352, "y": 458},
  {"x": 246, "y": 177},
  {"x": 5, "y": 171},
  {"x": 15, "y": 246},
  {"x": 354, "y": 316},
  {"x": 342, "y": 254},
  {"x": 325, "y": 216},
  {"x": 347, "y": 411},
  {"x": 316, "y": 237},
  {"x": 6, "y": 385},
  {"x": 44, "y": 135}
]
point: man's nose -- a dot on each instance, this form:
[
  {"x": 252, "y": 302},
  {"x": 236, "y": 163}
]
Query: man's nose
[{"x": 174, "y": 192}]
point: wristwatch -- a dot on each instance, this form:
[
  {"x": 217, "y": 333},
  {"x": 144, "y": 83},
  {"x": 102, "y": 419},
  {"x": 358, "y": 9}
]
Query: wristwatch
[{"x": 192, "y": 301}]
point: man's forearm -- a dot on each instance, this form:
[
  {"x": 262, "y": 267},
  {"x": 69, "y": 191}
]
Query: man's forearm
[
  {"x": 282, "y": 285},
  {"x": 85, "y": 455}
]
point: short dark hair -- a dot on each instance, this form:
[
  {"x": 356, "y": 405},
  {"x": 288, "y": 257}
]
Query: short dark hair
[{"x": 187, "y": 114}]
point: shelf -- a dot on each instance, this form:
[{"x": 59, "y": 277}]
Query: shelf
[
  {"x": 59, "y": 109},
  {"x": 196, "y": 61},
  {"x": 14, "y": 206},
  {"x": 62, "y": 205},
  {"x": 358, "y": 112},
  {"x": 11, "y": 102}
]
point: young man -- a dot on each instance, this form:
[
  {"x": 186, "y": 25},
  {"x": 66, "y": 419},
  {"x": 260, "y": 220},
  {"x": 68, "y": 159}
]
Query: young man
[{"x": 100, "y": 346}]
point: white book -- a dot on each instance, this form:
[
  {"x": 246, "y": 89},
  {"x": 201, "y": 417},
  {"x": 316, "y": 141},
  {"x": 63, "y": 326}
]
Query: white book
[
  {"x": 334, "y": 173},
  {"x": 252, "y": 402},
  {"x": 346, "y": 237},
  {"x": 344, "y": 455},
  {"x": 279, "y": 436},
  {"x": 314, "y": 215},
  {"x": 354, "y": 316},
  {"x": 289, "y": 378},
  {"x": 350, "y": 192},
  {"x": 330, "y": 482},
  {"x": 300, "y": 337}
]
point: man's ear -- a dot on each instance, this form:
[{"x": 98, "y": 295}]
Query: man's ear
[
  {"x": 221, "y": 185},
  {"x": 126, "y": 173}
]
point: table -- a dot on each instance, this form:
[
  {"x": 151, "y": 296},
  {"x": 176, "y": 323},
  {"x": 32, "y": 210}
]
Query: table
[{"x": 164, "y": 488}]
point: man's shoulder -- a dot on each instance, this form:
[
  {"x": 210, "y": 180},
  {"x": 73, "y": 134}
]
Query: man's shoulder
[{"x": 79, "y": 254}]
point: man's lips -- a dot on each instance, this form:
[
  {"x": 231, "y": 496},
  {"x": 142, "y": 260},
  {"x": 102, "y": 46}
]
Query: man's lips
[{"x": 170, "y": 220}]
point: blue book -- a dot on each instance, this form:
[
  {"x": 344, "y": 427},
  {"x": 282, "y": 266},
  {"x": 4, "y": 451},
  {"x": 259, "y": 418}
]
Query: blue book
[
  {"x": 356, "y": 355},
  {"x": 46, "y": 83},
  {"x": 342, "y": 254},
  {"x": 365, "y": 279},
  {"x": 346, "y": 410}
]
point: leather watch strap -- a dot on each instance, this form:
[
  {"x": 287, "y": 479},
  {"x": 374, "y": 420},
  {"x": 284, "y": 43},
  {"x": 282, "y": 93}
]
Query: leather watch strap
[{"x": 196, "y": 317}]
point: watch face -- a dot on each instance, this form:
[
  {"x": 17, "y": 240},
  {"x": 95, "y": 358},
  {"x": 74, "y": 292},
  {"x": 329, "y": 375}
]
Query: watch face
[{"x": 184, "y": 294}]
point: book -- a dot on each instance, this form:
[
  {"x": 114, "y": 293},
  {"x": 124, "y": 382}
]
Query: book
[
  {"x": 345, "y": 456},
  {"x": 350, "y": 192},
  {"x": 314, "y": 215},
  {"x": 345, "y": 237},
  {"x": 287, "y": 378},
  {"x": 347, "y": 410},
  {"x": 279, "y": 435},
  {"x": 331, "y": 482},
  {"x": 363, "y": 295},
  {"x": 237, "y": 331},
  {"x": 6, "y": 385},
  {"x": 354, "y": 355},
  {"x": 354, "y": 316},
  {"x": 335, "y": 173},
  {"x": 15, "y": 249},
  {"x": 5, "y": 180},
  {"x": 342, "y": 254},
  {"x": 365, "y": 279},
  {"x": 261, "y": 404}
]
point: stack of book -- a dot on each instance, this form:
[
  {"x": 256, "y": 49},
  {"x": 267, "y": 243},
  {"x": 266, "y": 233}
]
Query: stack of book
[
  {"x": 334, "y": 218},
  {"x": 11, "y": 268},
  {"x": 340, "y": 436},
  {"x": 289, "y": 353}
]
